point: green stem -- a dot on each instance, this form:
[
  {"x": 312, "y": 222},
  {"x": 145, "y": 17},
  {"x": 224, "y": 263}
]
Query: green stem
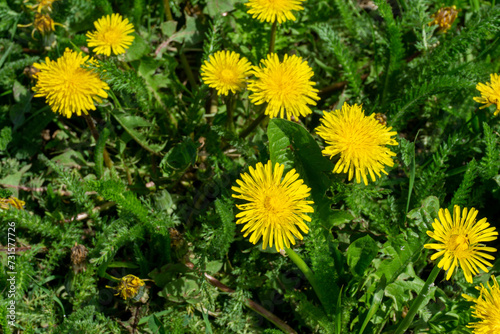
[
  {"x": 273, "y": 37},
  {"x": 305, "y": 269},
  {"x": 230, "y": 104},
  {"x": 254, "y": 124},
  {"x": 168, "y": 12},
  {"x": 416, "y": 303},
  {"x": 95, "y": 134},
  {"x": 187, "y": 69},
  {"x": 115, "y": 99}
]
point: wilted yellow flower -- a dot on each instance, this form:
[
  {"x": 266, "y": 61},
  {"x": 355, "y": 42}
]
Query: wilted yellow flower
[
  {"x": 113, "y": 34},
  {"x": 225, "y": 71},
  {"x": 68, "y": 87},
  {"x": 276, "y": 205},
  {"x": 42, "y": 5},
  {"x": 286, "y": 86},
  {"x": 461, "y": 241},
  {"x": 361, "y": 141},
  {"x": 444, "y": 18},
  {"x": 130, "y": 286},
  {"x": 272, "y": 10},
  {"x": 43, "y": 24},
  {"x": 490, "y": 93},
  {"x": 487, "y": 309},
  {"x": 6, "y": 203}
]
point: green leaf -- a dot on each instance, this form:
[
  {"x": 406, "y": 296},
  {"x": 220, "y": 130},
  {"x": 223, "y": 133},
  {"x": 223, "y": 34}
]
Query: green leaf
[
  {"x": 5, "y": 137},
  {"x": 377, "y": 300},
  {"x": 15, "y": 179},
  {"x": 155, "y": 325},
  {"x": 401, "y": 250},
  {"x": 213, "y": 267},
  {"x": 337, "y": 217},
  {"x": 138, "y": 49},
  {"x": 360, "y": 254},
  {"x": 292, "y": 145},
  {"x": 425, "y": 214},
  {"x": 181, "y": 156},
  {"x": 130, "y": 123}
]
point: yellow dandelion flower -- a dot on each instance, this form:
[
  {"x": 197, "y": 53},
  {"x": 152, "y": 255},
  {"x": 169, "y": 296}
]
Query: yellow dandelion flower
[
  {"x": 68, "y": 87},
  {"x": 272, "y": 10},
  {"x": 444, "y": 18},
  {"x": 361, "y": 141},
  {"x": 113, "y": 34},
  {"x": 130, "y": 286},
  {"x": 225, "y": 71},
  {"x": 461, "y": 241},
  {"x": 276, "y": 205},
  {"x": 284, "y": 86},
  {"x": 487, "y": 309},
  {"x": 490, "y": 93},
  {"x": 6, "y": 203}
]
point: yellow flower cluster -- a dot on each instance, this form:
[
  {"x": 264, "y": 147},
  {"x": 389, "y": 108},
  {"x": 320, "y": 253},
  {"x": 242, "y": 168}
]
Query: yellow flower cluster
[{"x": 68, "y": 84}]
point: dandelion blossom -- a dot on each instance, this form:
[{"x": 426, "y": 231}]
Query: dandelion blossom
[
  {"x": 113, "y": 34},
  {"x": 490, "y": 93},
  {"x": 487, "y": 309},
  {"x": 276, "y": 205},
  {"x": 68, "y": 87},
  {"x": 461, "y": 241},
  {"x": 225, "y": 71},
  {"x": 284, "y": 86},
  {"x": 272, "y": 10},
  {"x": 360, "y": 140},
  {"x": 130, "y": 286}
]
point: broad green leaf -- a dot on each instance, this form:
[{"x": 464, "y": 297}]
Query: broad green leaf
[
  {"x": 155, "y": 325},
  {"x": 401, "y": 290},
  {"x": 15, "y": 179},
  {"x": 401, "y": 250},
  {"x": 360, "y": 254},
  {"x": 138, "y": 49}
]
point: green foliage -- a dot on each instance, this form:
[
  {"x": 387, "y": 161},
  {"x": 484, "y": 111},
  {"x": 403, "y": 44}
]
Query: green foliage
[
  {"x": 161, "y": 208},
  {"x": 344, "y": 57},
  {"x": 87, "y": 320}
]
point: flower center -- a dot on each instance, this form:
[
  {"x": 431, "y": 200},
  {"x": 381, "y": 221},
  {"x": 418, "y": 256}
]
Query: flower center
[
  {"x": 228, "y": 76},
  {"x": 271, "y": 204},
  {"x": 458, "y": 242},
  {"x": 111, "y": 36}
]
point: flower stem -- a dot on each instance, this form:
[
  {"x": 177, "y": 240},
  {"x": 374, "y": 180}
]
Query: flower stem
[
  {"x": 273, "y": 37},
  {"x": 305, "y": 270},
  {"x": 254, "y": 124},
  {"x": 168, "y": 12},
  {"x": 187, "y": 69},
  {"x": 95, "y": 134},
  {"x": 416, "y": 303},
  {"x": 230, "y": 104}
]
